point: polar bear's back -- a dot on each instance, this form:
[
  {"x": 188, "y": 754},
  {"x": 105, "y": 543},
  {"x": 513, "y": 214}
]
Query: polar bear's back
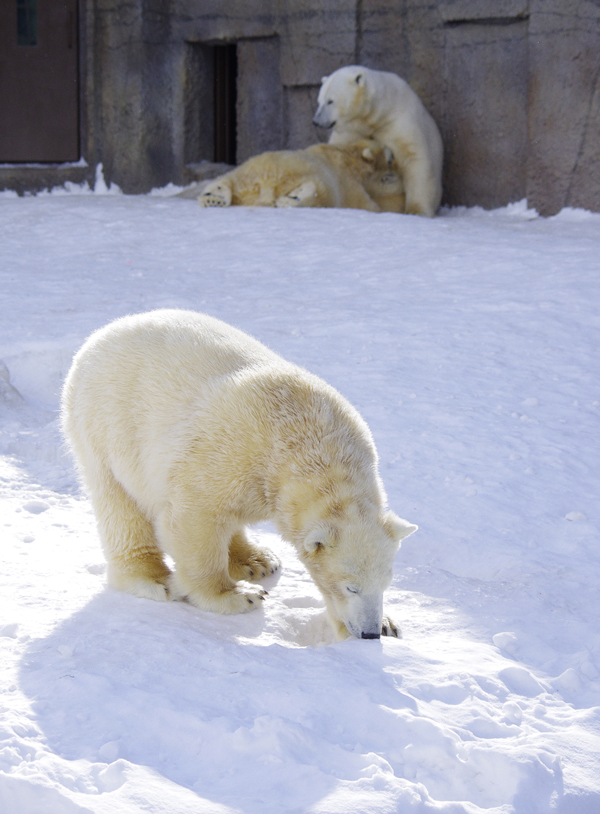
[
  {"x": 136, "y": 386},
  {"x": 182, "y": 347}
]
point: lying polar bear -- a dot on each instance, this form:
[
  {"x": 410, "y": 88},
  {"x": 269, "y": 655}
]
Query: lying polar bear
[
  {"x": 186, "y": 430},
  {"x": 357, "y": 176},
  {"x": 358, "y": 103}
]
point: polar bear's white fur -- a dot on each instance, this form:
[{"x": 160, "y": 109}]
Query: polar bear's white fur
[
  {"x": 186, "y": 430},
  {"x": 358, "y": 103},
  {"x": 363, "y": 175}
]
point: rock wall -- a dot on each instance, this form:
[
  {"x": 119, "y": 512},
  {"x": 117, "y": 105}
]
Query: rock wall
[{"x": 512, "y": 84}]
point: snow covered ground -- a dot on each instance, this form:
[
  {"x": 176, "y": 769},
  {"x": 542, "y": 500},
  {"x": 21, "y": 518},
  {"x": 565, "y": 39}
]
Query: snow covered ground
[{"x": 470, "y": 345}]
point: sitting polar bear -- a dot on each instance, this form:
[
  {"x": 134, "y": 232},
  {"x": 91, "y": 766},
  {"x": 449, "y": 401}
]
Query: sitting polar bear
[
  {"x": 361, "y": 103},
  {"x": 358, "y": 176},
  {"x": 186, "y": 429}
]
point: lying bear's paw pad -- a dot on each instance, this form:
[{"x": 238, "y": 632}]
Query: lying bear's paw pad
[
  {"x": 210, "y": 200},
  {"x": 215, "y": 196}
]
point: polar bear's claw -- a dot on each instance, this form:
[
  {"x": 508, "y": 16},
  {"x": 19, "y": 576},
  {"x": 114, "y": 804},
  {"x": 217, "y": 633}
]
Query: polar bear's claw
[
  {"x": 252, "y": 563},
  {"x": 389, "y": 628},
  {"x": 242, "y": 598}
]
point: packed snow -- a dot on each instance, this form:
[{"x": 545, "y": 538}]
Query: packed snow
[{"x": 469, "y": 343}]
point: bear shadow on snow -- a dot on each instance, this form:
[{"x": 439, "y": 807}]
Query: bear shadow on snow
[{"x": 170, "y": 688}]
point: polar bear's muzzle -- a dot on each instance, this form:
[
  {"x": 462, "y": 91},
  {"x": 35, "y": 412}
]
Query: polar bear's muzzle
[
  {"x": 324, "y": 126},
  {"x": 321, "y": 119},
  {"x": 362, "y": 616}
]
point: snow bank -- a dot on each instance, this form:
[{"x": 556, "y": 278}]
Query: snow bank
[{"x": 469, "y": 344}]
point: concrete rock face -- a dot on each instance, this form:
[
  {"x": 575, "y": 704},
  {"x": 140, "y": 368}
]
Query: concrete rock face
[{"x": 512, "y": 84}]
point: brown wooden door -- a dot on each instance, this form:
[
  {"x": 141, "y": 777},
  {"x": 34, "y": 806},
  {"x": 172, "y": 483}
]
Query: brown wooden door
[{"x": 39, "y": 94}]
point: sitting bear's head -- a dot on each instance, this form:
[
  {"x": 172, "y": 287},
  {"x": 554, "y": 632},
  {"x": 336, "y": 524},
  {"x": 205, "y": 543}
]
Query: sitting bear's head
[
  {"x": 343, "y": 96},
  {"x": 351, "y": 561}
]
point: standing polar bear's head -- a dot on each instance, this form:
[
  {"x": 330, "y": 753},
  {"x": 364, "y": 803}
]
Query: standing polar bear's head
[
  {"x": 343, "y": 96},
  {"x": 351, "y": 561}
]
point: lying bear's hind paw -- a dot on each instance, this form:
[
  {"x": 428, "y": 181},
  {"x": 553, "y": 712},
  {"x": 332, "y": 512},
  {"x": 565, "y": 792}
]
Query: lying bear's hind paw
[
  {"x": 389, "y": 628},
  {"x": 218, "y": 195}
]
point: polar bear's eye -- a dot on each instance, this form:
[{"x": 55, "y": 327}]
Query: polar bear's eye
[
  {"x": 330, "y": 102},
  {"x": 352, "y": 589}
]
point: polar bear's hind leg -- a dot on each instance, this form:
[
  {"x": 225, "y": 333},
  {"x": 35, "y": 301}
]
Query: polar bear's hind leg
[{"x": 135, "y": 563}]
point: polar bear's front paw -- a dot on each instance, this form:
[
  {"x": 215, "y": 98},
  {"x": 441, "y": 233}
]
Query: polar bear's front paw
[
  {"x": 389, "y": 628},
  {"x": 260, "y": 564},
  {"x": 215, "y": 195},
  {"x": 241, "y": 599}
]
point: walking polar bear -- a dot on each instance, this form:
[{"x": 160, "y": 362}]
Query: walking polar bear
[
  {"x": 357, "y": 176},
  {"x": 186, "y": 429},
  {"x": 358, "y": 103}
]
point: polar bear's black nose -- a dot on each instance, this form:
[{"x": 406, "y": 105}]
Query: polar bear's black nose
[{"x": 370, "y": 636}]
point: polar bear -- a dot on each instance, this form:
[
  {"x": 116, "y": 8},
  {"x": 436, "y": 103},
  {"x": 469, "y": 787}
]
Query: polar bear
[
  {"x": 186, "y": 429},
  {"x": 357, "y": 176},
  {"x": 358, "y": 103}
]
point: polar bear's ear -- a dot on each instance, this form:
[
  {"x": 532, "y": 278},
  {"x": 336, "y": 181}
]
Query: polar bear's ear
[
  {"x": 368, "y": 154},
  {"x": 389, "y": 155},
  {"x": 396, "y": 528},
  {"x": 324, "y": 79},
  {"x": 318, "y": 539}
]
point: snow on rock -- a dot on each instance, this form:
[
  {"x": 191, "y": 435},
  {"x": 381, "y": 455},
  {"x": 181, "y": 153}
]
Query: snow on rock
[{"x": 469, "y": 344}]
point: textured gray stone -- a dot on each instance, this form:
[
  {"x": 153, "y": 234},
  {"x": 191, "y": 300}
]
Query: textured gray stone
[
  {"x": 514, "y": 86},
  {"x": 564, "y": 105}
]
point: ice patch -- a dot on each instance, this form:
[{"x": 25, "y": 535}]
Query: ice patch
[
  {"x": 521, "y": 682},
  {"x": 113, "y": 776},
  {"x": 36, "y": 506},
  {"x": 576, "y": 517},
  {"x": 507, "y": 642},
  {"x": 110, "y": 751},
  {"x": 570, "y": 214},
  {"x": 569, "y": 681},
  {"x": 100, "y": 187},
  {"x": 518, "y": 210}
]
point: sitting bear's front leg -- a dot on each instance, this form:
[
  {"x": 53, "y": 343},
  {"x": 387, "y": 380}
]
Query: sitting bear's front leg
[
  {"x": 217, "y": 193},
  {"x": 200, "y": 549}
]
